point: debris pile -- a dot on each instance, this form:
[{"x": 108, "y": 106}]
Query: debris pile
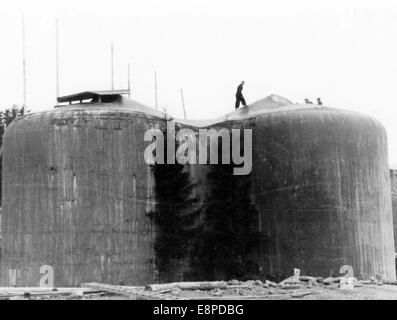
[
  {"x": 294, "y": 287},
  {"x": 38, "y": 293}
]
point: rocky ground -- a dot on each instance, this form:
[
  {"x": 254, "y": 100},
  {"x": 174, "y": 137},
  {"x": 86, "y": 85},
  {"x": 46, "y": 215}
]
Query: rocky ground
[{"x": 306, "y": 288}]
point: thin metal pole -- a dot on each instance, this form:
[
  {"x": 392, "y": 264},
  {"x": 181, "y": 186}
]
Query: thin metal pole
[
  {"x": 57, "y": 58},
  {"x": 111, "y": 66},
  {"x": 24, "y": 65},
  {"x": 155, "y": 89},
  {"x": 183, "y": 104}
]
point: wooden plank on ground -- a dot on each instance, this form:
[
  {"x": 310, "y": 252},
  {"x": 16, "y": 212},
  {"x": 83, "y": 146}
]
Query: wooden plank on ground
[
  {"x": 199, "y": 285},
  {"x": 40, "y": 291},
  {"x": 132, "y": 292}
]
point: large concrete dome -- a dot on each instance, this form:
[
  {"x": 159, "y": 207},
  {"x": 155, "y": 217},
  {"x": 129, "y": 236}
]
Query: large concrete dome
[
  {"x": 76, "y": 195},
  {"x": 318, "y": 195},
  {"x": 79, "y": 196},
  {"x": 322, "y": 190}
]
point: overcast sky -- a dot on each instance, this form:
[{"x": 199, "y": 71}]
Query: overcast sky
[{"x": 344, "y": 51}]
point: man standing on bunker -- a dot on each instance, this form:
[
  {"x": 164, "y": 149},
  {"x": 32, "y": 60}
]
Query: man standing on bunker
[{"x": 239, "y": 95}]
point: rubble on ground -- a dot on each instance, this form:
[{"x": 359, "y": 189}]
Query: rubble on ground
[{"x": 294, "y": 287}]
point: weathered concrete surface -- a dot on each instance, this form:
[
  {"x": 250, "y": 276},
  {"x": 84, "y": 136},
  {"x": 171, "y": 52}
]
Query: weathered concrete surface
[
  {"x": 393, "y": 181},
  {"x": 318, "y": 198},
  {"x": 79, "y": 196},
  {"x": 322, "y": 188},
  {"x": 76, "y": 195}
]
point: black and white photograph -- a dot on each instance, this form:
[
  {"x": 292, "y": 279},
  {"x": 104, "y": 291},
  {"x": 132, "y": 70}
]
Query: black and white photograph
[{"x": 197, "y": 151}]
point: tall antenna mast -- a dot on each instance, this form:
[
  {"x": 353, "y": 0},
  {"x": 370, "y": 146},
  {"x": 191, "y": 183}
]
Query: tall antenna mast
[
  {"x": 183, "y": 105},
  {"x": 23, "y": 64},
  {"x": 111, "y": 65},
  {"x": 57, "y": 59},
  {"x": 155, "y": 89},
  {"x": 129, "y": 81}
]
